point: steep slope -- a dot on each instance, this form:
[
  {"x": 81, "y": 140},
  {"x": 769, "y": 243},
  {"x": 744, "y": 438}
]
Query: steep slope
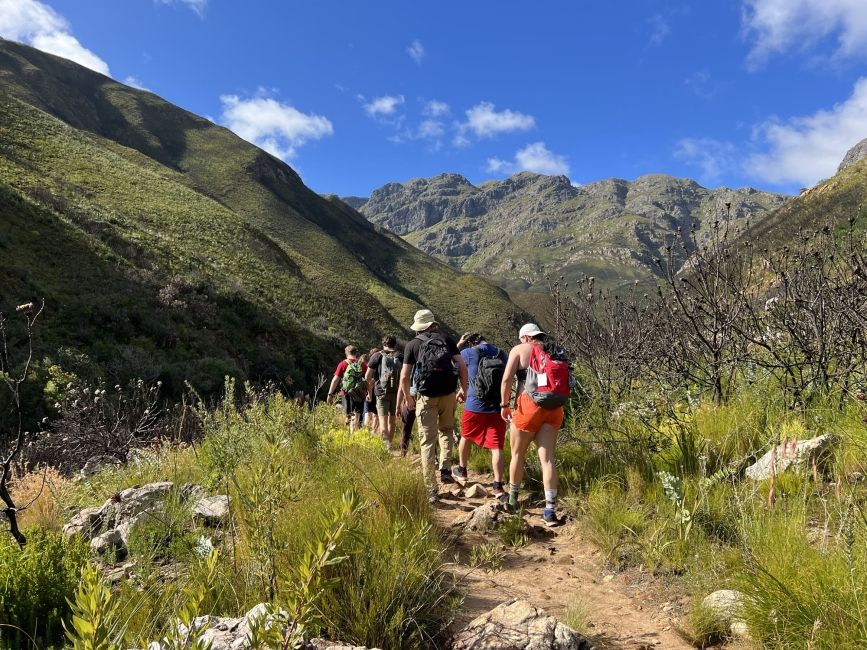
[
  {"x": 167, "y": 246},
  {"x": 832, "y": 202},
  {"x": 522, "y": 229}
]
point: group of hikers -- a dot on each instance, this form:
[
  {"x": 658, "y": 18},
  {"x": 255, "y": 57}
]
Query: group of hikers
[{"x": 524, "y": 390}]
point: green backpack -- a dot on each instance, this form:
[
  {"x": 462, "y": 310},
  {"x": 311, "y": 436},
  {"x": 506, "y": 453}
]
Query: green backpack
[{"x": 353, "y": 383}]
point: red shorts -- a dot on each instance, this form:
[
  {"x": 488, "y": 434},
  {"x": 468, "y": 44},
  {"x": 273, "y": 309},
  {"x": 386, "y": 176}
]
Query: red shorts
[{"x": 487, "y": 430}]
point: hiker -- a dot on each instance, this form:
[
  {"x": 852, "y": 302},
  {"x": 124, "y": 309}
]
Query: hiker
[
  {"x": 481, "y": 423},
  {"x": 383, "y": 379},
  {"x": 439, "y": 368},
  {"x": 538, "y": 410},
  {"x": 349, "y": 375},
  {"x": 369, "y": 415}
]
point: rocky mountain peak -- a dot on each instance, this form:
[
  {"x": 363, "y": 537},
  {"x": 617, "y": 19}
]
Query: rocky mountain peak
[{"x": 856, "y": 153}]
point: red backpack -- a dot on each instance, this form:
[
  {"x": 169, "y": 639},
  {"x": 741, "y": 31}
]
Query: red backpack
[{"x": 547, "y": 381}]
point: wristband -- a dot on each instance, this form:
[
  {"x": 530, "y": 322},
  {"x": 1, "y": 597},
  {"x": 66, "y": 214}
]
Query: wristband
[{"x": 505, "y": 406}]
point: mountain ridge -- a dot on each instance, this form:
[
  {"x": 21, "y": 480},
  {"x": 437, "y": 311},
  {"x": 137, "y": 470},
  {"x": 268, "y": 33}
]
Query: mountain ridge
[{"x": 525, "y": 228}]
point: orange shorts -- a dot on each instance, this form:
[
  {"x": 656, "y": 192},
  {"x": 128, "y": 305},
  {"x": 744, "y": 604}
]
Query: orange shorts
[{"x": 529, "y": 416}]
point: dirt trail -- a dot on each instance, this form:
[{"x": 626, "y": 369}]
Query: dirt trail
[{"x": 625, "y": 611}]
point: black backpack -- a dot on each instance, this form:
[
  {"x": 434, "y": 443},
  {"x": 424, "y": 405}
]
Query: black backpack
[
  {"x": 489, "y": 378},
  {"x": 435, "y": 368}
]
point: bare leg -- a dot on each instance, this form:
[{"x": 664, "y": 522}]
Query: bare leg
[
  {"x": 497, "y": 464},
  {"x": 546, "y": 441},
  {"x": 520, "y": 441},
  {"x": 464, "y": 452}
]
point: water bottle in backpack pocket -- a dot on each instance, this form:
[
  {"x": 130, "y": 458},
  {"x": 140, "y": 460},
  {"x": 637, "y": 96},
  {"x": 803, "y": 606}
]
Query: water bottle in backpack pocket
[{"x": 548, "y": 380}]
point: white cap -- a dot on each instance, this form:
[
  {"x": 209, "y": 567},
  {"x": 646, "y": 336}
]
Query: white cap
[{"x": 530, "y": 329}]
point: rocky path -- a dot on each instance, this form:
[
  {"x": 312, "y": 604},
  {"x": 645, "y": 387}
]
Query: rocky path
[{"x": 556, "y": 568}]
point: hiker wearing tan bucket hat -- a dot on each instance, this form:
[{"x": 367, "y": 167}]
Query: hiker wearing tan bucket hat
[{"x": 435, "y": 366}]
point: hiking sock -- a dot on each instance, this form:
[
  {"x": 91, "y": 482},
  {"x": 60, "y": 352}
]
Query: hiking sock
[
  {"x": 513, "y": 494},
  {"x": 550, "y": 499},
  {"x": 498, "y": 485}
]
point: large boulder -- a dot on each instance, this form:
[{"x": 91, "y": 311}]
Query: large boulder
[
  {"x": 518, "y": 625},
  {"x": 798, "y": 456}
]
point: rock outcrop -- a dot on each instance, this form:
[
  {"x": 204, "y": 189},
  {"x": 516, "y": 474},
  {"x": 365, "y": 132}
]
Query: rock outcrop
[
  {"x": 798, "y": 456},
  {"x": 108, "y": 528},
  {"x": 518, "y": 625},
  {"x": 856, "y": 153}
]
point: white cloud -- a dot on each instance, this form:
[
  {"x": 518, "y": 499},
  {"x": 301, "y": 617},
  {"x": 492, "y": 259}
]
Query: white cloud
[
  {"x": 135, "y": 82},
  {"x": 431, "y": 129},
  {"x": 35, "y": 23},
  {"x": 807, "y": 149},
  {"x": 659, "y": 29},
  {"x": 535, "y": 157},
  {"x": 484, "y": 120},
  {"x": 436, "y": 108},
  {"x": 277, "y": 128},
  {"x": 384, "y": 106},
  {"x": 713, "y": 157},
  {"x": 776, "y": 26},
  {"x": 196, "y": 5},
  {"x": 416, "y": 51}
]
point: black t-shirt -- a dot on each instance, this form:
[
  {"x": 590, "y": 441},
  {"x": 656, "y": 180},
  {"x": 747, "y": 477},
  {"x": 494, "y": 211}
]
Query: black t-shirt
[
  {"x": 410, "y": 352},
  {"x": 374, "y": 363}
]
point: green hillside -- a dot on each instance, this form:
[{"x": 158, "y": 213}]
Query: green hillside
[
  {"x": 833, "y": 201},
  {"x": 168, "y": 247}
]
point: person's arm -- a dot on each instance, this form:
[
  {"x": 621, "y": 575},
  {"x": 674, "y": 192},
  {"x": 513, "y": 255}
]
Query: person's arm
[
  {"x": 508, "y": 380},
  {"x": 332, "y": 388},
  {"x": 369, "y": 377},
  {"x": 403, "y": 393},
  {"x": 462, "y": 374}
]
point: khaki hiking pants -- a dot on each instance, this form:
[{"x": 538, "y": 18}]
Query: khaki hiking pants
[{"x": 436, "y": 418}]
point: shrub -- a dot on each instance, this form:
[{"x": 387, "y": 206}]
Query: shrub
[{"x": 37, "y": 581}]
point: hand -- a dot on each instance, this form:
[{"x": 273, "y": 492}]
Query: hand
[
  {"x": 461, "y": 395},
  {"x": 410, "y": 403},
  {"x": 506, "y": 413}
]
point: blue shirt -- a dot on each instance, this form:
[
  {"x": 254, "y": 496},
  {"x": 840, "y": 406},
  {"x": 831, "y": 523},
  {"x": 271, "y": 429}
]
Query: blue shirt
[{"x": 471, "y": 358}]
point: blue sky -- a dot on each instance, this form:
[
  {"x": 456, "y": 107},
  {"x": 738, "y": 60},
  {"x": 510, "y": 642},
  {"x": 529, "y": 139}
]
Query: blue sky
[{"x": 355, "y": 94}]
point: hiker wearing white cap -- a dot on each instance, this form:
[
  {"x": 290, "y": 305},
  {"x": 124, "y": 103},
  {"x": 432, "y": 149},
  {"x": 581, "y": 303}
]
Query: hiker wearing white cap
[
  {"x": 538, "y": 410},
  {"x": 434, "y": 363}
]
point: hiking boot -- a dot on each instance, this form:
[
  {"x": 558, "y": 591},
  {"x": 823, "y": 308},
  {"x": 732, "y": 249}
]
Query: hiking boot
[
  {"x": 460, "y": 473},
  {"x": 446, "y": 476},
  {"x": 500, "y": 494},
  {"x": 550, "y": 518},
  {"x": 511, "y": 503}
]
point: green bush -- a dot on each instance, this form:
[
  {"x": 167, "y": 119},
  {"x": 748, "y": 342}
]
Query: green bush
[{"x": 36, "y": 582}]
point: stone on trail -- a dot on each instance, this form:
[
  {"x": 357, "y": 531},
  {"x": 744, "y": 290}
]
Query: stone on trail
[
  {"x": 107, "y": 542},
  {"x": 795, "y": 455},
  {"x": 482, "y": 519},
  {"x": 518, "y": 625},
  {"x": 476, "y": 491}
]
